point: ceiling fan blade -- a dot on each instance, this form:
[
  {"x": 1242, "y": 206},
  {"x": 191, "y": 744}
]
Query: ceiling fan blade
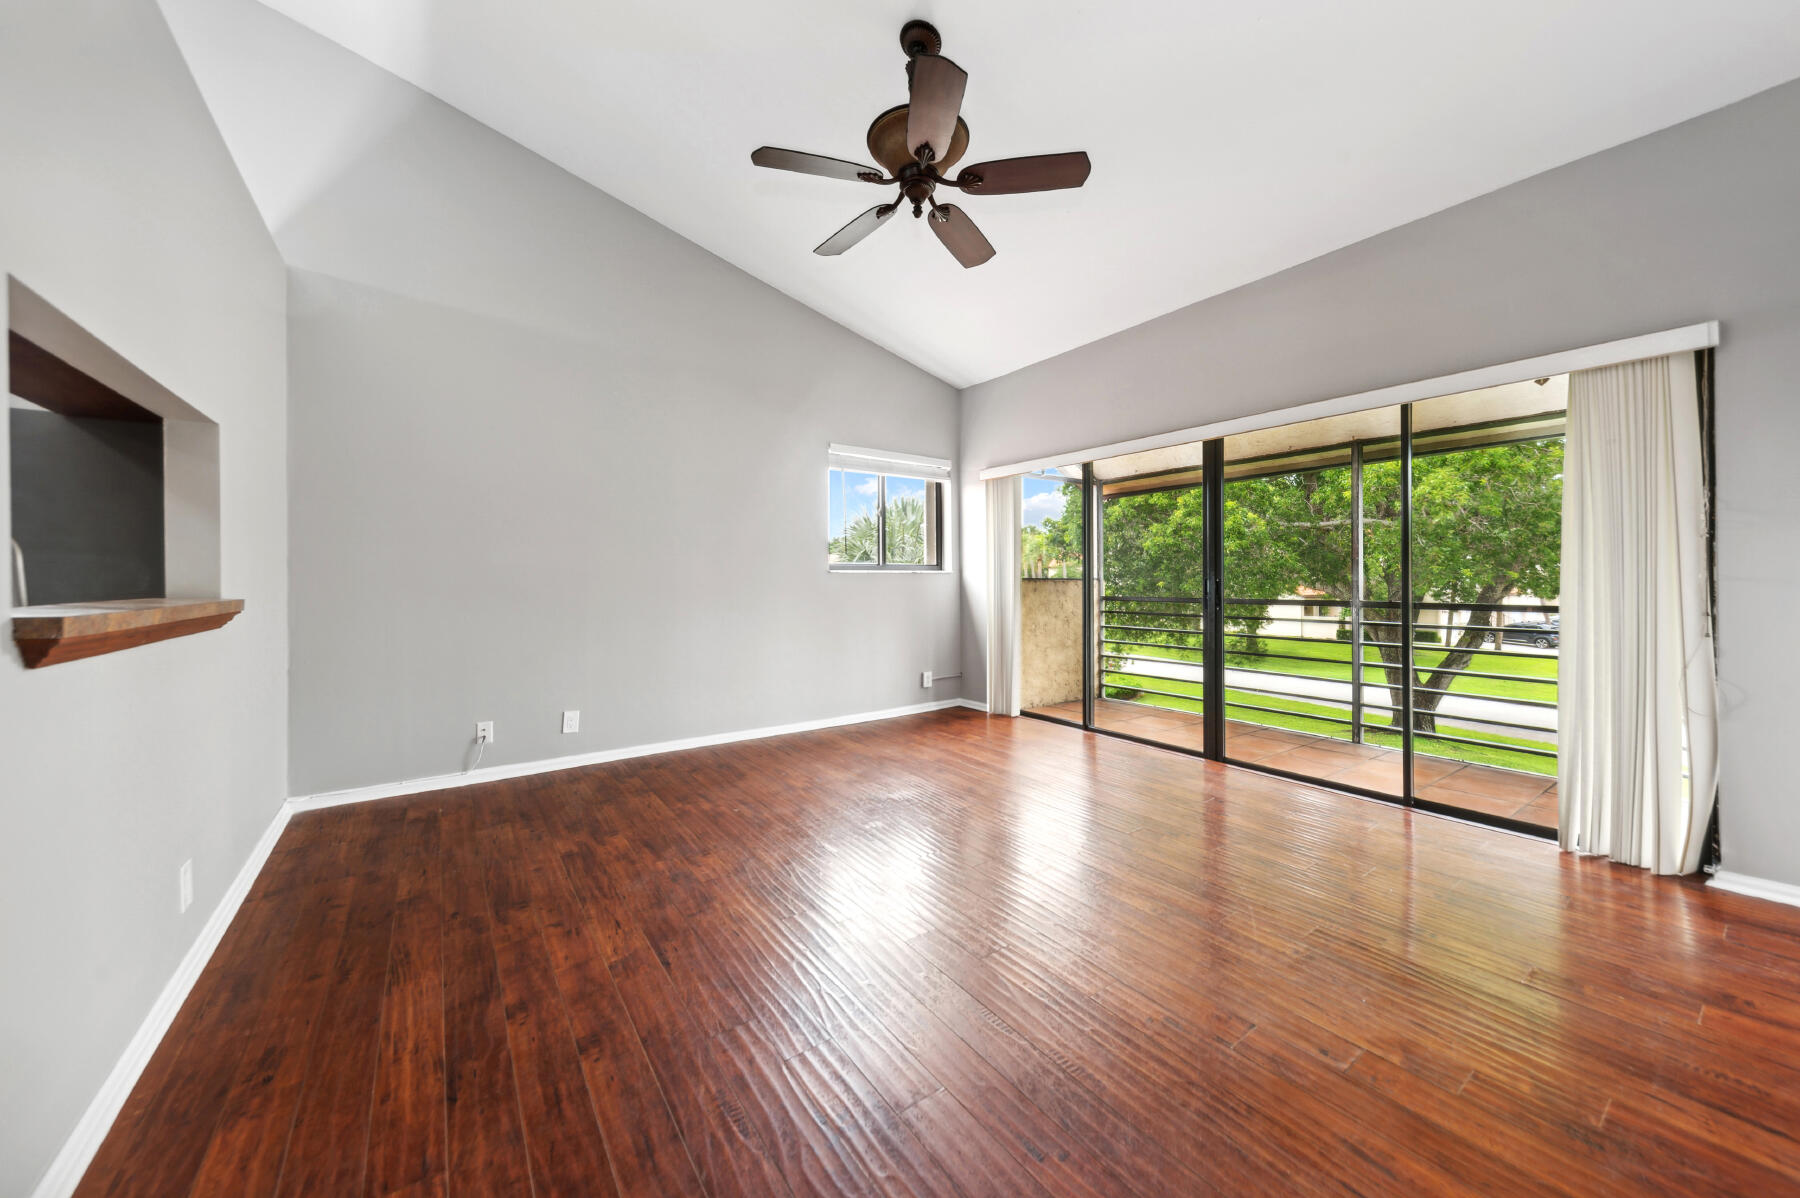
[
  {"x": 1040, "y": 172},
  {"x": 814, "y": 164},
  {"x": 960, "y": 236},
  {"x": 936, "y": 98},
  {"x": 856, "y": 230}
]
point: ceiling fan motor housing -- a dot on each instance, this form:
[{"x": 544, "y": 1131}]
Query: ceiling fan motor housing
[{"x": 887, "y": 142}]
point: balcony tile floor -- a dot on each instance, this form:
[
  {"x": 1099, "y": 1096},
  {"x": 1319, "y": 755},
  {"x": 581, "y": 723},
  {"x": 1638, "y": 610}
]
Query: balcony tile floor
[{"x": 1468, "y": 787}]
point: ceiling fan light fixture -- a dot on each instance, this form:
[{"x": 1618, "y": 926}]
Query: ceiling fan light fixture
[{"x": 916, "y": 143}]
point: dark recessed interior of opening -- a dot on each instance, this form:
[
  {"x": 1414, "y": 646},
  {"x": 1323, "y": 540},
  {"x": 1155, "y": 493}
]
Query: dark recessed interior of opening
[{"x": 87, "y": 485}]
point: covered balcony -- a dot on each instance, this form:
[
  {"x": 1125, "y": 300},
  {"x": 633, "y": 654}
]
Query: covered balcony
[{"x": 1317, "y": 690}]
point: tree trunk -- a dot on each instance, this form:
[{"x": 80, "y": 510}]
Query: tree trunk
[
  {"x": 1428, "y": 694},
  {"x": 1390, "y": 642}
]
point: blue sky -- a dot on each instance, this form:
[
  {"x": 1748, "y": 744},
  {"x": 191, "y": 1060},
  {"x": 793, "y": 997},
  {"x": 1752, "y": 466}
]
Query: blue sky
[
  {"x": 905, "y": 487},
  {"x": 852, "y": 495},
  {"x": 1044, "y": 500}
]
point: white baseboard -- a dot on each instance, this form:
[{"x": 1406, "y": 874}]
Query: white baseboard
[
  {"x": 78, "y": 1150},
  {"x": 1762, "y": 888},
  {"x": 496, "y": 773}
]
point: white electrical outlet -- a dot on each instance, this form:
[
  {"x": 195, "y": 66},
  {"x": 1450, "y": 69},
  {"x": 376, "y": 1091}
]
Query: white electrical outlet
[
  {"x": 571, "y": 721},
  {"x": 925, "y": 679},
  {"x": 187, "y": 885},
  {"x": 484, "y": 732}
]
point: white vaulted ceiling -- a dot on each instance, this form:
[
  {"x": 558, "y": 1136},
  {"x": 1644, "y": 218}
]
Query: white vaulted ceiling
[{"x": 1229, "y": 141}]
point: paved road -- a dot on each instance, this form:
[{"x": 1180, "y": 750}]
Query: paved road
[{"x": 1464, "y": 709}]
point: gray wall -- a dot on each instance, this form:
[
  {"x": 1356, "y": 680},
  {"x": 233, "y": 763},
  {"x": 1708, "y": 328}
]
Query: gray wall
[
  {"x": 546, "y": 454},
  {"x": 87, "y": 506},
  {"x": 120, "y": 205},
  {"x": 1698, "y": 222}
]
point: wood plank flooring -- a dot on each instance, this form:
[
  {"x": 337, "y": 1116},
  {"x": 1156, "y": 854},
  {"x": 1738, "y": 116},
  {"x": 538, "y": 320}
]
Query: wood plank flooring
[{"x": 960, "y": 956}]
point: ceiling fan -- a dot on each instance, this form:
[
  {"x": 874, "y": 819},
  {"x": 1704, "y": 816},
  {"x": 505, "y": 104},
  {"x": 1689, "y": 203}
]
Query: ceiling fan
[{"x": 917, "y": 142}]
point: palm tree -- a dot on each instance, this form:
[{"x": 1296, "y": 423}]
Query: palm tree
[
  {"x": 905, "y": 535},
  {"x": 906, "y": 530},
  {"x": 859, "y": 542}
]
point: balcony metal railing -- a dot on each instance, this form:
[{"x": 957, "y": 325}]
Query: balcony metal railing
[{"x": 1152, "y": 646}]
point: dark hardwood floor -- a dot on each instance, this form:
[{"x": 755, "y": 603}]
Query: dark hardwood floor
[
  {"x": 1476, "y": 790},
  {"x": 953, "y": 955}
]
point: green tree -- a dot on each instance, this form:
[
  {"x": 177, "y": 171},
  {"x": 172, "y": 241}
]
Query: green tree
[
  {"x": 906, "y": 530},
  {"x": 1058, "y": 538},
  {"x": 859, "y": 542},
  {"x": 905, "y": 534},
  {"x": 1487, "y": 523},
  {"x": 1035, "y": 558}
]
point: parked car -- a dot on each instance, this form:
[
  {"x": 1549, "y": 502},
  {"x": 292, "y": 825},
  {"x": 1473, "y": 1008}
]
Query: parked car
[{"x": 1541, "y": 634}]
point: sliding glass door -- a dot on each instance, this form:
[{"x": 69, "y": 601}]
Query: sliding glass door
[
  {"x": 1310, "y": 601},
  {"x": 1368, "y": 601},
  {"x": 1486, "y": 573},
  {"x": 1152, "y": 582}
]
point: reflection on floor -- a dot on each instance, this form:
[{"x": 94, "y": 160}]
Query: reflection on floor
[{"x": 1477, "y": 788}]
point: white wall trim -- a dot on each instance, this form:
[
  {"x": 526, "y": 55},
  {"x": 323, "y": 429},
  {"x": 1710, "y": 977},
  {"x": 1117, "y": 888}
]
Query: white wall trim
[
  {"x": 496, "y": 773},
  {"x": 78, "y": 1150},
  {"x": 1629, "y": 349},
  {"x": 1762, "y": 888}
]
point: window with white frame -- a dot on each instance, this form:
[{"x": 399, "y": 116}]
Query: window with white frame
[{"x": 885, "y": 510}]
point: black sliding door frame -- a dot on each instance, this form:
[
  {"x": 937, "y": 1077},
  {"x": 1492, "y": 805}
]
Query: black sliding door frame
[
  {"x": 1212, "y": 623},
  {"x": 1213, "y": 650},
  {"x": 1090, "y": 569},
  {"x": 1409, "y": 620}
]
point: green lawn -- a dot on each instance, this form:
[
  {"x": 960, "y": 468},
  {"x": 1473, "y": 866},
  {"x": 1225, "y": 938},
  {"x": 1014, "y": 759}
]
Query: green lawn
[{"x": 1300, "y": 716}]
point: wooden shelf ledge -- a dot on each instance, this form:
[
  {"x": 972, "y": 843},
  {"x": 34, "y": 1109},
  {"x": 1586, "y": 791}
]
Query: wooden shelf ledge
[{"x": 68, "y": 632}]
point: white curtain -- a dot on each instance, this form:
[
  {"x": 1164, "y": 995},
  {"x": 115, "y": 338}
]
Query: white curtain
[
  {"x": 1637, "y": 697},
  {"x": 1003, "y": 504}
]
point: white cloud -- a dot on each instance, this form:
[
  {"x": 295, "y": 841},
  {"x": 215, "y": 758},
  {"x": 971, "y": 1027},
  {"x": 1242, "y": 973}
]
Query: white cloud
[
  {"x": 1045, "y": 505},
  {"x": 865, "y": 487}
]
